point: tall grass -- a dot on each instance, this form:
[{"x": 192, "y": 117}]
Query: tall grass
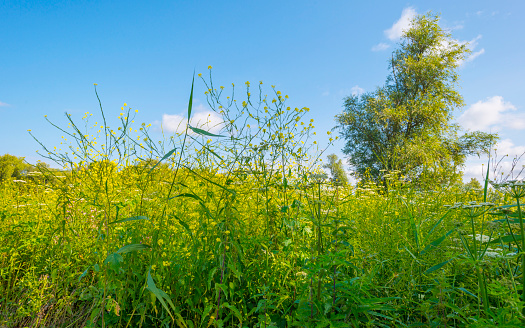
[{"x": 235, "y": 225}]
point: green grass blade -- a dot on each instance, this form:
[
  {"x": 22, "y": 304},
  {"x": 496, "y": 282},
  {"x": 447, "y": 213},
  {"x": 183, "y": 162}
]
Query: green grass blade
[
  {"x": 190, "y": 103},
  {"x": 437, "y": 266},
  {"x": 507, "y": 239},
  {"x": 467, "y": 246},
  {"x": 132, "y": 248},
  {"x": 214, "y": 153},
  {"x": 185, "y": 226},
  {"x": 466, "y": 292},
  {"x": 436, "y": 242},
  {"x": 159, "y": 294},
  {"x": 486, "y": 181},
  {"x": 187, "y": 195},
  {"x": 409, "y": 252},
  {"x": 168, "y": 154},
  {"x": 435, "y": 226},
  {"x": 204, "y": 132},
  {"x": 210, "y": 181}
]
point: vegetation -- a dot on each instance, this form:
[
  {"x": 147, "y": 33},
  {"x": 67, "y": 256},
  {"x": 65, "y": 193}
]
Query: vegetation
[
  {"x": 241, "y": 228},
  {"x": 337, "y": 171},
  {"x": 237, "y": 225},
  {"x": 406, "y": 124}
]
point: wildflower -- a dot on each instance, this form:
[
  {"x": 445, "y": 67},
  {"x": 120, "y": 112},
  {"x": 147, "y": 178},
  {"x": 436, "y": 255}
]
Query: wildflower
[{"x": 209, "y": 67}]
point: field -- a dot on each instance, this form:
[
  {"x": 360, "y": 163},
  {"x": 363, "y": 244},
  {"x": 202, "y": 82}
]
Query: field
[{"x": 239, "y": 227}]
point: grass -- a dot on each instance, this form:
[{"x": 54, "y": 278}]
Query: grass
[{"x": 235, "y": 225}]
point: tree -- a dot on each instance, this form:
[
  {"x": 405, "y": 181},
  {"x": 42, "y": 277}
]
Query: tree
[
  {"x": 335, "y": 165},
  {"x": 11, "y": 167},
  {"x": 406, "y": 125}
]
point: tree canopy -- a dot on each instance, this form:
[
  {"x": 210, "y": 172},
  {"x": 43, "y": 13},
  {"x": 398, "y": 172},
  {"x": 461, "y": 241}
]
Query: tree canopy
[
  {"x": 406, "y": 125},
  {"x": 335, "y": 165},
  {"x": 12, "y": 167}
]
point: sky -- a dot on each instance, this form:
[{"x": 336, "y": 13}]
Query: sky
[{"x": 144, "y": 53}]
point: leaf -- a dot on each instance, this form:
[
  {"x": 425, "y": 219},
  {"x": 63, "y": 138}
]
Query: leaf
[
  {"x": 466, "y": 245},
  {"x": 506, "y": 239},
  {"x": 190, "y": 103},
  {"x": 185, "y": 225},
  {"x": 159, "y": 294},
  {"x": 466, "y": 292},
  {"x": 409, "y": 252},
  {"x": 437, "y": 266},
  {"x": 234, "y": 310},
  {"x": 168, "y": 154},
  {"x": 210, "y": 276},
  {"x": 486, "y": 182},
  {"x": 113, "y": 260},
  {"x": 204, "y": 133},
  {"x": 205, "y": 312},
  {"x": 133, "y": 218},
  {"x": 436, "y": 242},
  {"x": 84, "y": 274},
  {"x": 132, "y": 248},
  {"x": 435, "y": 226},
  {"x": 214, "y": 153},
  {"x": 210, "y": 181},
  {"x": 187, "y": 195}
]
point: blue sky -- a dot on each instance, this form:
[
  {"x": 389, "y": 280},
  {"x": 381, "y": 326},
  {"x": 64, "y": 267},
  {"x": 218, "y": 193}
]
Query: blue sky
[{"x": 317, "y": 52}]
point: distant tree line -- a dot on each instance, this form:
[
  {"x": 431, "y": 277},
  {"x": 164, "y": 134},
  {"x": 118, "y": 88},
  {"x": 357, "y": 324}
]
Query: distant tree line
[{"x": 13, "y": 167}]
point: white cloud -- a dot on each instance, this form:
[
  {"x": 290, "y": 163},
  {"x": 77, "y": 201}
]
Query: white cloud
[
  {"x": 506, "y": 158},
  {"x": 493, "y": 113},
  {"x": 380, "y": 47},
  {"x": 3, "y": 104},
  {"x": 507, "y": 147},
  {"x": 396, "y": 31},
  {"x": 356, "y": 90},
  {"x": 472, "y": 44},
  {"x": 475, "y": 54},
  {"x": 201, "y": 117},
  {"x": 326, "y": 93}
]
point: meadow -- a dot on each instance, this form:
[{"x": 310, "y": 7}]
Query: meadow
[{"x": 236, "y": 225}]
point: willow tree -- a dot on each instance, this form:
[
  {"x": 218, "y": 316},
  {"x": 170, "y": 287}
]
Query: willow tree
[{"x": 406, "y": 125}]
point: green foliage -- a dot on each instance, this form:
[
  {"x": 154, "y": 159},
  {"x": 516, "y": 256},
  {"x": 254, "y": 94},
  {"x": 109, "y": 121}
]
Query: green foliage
[
  {"x": 244, "y": 232},
  {"x": 406, "y": 124},
  {"x": 335, "y": 165},
  {"x": 11, "y": 167}
]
